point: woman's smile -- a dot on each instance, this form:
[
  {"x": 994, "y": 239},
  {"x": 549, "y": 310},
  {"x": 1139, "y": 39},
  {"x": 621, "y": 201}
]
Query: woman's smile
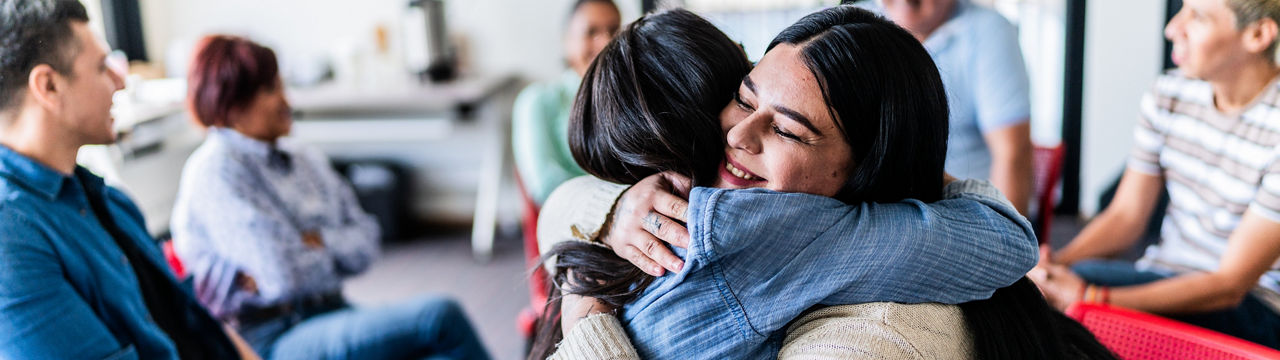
[{"x": 735, "y": 174}]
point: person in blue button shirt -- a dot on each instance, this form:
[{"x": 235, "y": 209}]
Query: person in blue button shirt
[
  {"x": 80, "y": 278},
  {"x": 981, "y": 65}
]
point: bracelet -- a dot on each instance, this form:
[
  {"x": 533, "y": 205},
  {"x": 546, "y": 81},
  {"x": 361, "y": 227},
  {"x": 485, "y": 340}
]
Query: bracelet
[{"x": 1095, "y": 294}]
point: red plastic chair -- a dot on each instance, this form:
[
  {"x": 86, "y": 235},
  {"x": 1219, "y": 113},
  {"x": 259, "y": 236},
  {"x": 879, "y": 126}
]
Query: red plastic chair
[
  {"x": 175, "y": 263},
  {"x": 1133, "y": 335},
  {"x": 538, "y": 278},
  {"x": 1046, "y": 171}
]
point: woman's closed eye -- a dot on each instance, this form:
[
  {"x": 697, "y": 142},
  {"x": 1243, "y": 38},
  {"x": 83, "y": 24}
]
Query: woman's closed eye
[
  {"x": 783, "y": 133},
  {"x": 737, "y": 98}
]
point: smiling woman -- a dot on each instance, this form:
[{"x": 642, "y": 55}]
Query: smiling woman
[{"x": 892, "y": 116}]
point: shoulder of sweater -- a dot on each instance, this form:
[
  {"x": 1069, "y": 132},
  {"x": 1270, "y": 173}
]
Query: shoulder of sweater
[{"x": 576, "y": 210}]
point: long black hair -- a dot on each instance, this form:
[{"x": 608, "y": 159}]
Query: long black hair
[{"x": 650, "y": 102}]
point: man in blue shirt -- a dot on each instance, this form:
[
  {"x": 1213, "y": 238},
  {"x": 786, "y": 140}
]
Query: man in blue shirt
[
  {"x": 978, "y": 56},
  {"x": 80, "y": 278}
]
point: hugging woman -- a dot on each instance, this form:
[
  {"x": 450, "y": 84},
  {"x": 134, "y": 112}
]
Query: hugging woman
[{"x": 820, "y": 184}]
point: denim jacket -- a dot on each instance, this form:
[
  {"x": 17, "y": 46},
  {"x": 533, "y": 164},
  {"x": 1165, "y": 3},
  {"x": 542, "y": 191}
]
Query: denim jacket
[{"x": 758, "y": 259}]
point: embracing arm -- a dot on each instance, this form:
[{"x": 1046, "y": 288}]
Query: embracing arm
[
  {"x": 782, "y": 253},
  {"x": 975, "y": 237},
  {"x": 597, "y": 336},
  {"x": 577, "y": 210}
]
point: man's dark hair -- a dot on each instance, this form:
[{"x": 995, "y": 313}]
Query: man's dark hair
[{"x": 34, "y": 32}]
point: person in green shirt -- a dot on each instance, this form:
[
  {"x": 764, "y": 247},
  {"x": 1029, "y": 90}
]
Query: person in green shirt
[{"x": 540, "y": 119}]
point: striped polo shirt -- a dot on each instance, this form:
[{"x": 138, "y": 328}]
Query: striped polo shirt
[{"x": 1216, "y": 166}]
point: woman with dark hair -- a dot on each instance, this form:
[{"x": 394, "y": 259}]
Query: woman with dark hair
[
  {"x": 822, "y": 114},
  {"x": 268, "y": 229}
]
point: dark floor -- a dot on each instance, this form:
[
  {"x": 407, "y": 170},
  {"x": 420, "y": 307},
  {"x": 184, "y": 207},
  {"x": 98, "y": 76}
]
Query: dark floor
[{"x": 492, "y": 293}]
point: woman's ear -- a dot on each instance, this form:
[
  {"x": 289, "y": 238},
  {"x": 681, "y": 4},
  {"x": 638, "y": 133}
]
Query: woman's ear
[
  {"x": 1260, "y": 36},
  {"x": 44, "y": 88}
]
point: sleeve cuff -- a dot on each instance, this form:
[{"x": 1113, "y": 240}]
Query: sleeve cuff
[
  {"x": 598, "y": 336},
  {"x": 1144, "y": 167},
  {"x": 1264, "y": 212},
  {"x": 577, "y": 210}
]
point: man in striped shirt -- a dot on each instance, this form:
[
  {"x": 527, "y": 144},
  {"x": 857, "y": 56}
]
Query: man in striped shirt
[{"x": 1210, "y": 132}]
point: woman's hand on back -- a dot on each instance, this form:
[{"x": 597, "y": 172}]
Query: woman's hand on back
[{"x": 651, "y": 212}]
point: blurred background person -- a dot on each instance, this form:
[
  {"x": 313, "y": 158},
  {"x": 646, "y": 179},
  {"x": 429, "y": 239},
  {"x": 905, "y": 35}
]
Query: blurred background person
[
  {"x": 1207, "y": 132},
  {"x": 540, "y": 120},
  {"x": 977, "y": 53},
  {"x": 269, "y": 230}
]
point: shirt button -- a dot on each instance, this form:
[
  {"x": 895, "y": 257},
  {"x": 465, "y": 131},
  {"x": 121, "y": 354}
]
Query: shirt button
[{"x": 83, "y": 212}]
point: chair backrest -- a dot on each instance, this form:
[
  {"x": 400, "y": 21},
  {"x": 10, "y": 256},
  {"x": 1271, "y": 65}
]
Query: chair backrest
[
  {"x": 538, "y": 278},
  {"x": 1046, "y": 171},
  {"x": 1133, "y": 335}
]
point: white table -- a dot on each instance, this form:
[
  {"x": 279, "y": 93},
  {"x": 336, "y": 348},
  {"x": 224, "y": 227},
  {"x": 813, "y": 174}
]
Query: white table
[{"x": 408, "y": 114}]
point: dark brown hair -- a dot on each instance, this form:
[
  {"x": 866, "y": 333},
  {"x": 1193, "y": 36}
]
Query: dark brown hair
[{"x": 650, "y": 102}]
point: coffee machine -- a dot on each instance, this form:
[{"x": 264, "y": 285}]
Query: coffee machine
[{"x": 428, "y": 52}]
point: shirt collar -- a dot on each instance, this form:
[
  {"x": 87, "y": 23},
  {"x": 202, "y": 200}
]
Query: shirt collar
[
  {"x": 241, "y": 143},
  {"x": 21, "y": 169}
]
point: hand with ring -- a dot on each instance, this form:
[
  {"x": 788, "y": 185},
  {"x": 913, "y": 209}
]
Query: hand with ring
[{"x": 649, "y": 214}]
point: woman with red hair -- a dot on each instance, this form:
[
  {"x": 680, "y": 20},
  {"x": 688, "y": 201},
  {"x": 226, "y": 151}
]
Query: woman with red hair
[{"x": 269, "y": 230}]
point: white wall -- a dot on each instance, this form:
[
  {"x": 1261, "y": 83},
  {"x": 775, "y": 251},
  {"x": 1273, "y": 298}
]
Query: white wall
[
  {"x": 1123, "y": 50},
  {"x": 1041, "y": 30},
  {"x": 500, "y": 35}
]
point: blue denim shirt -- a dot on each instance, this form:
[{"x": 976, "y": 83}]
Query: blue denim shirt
[
  {"x": 67, "y": 291},
  {"x": 758, "y": 259}
]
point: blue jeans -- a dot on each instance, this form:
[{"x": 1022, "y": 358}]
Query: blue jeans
[
  {"x": 1252, "y": 320},
  {"x": 426, "y": 328}
]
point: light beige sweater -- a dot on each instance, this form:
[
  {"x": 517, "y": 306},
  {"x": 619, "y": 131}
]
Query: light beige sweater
[
  {"x": 578, "y": 209},
  {"x": 862, "y": 331}
]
